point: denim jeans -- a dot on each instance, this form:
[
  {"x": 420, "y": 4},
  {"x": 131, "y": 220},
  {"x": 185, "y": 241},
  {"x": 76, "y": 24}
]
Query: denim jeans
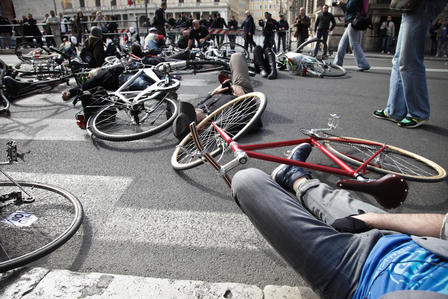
[
  {"x": 281, "y": 40},
  {"x": 385, "y": 43},
  {"x": 408, "y": 92},
  {"x": 353, "y": 37},
  {"x": 330, "y": 261},
  {"x": 322, "y": 34}
]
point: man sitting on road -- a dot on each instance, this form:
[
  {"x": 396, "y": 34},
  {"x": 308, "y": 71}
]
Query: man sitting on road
[
  {"x": 221, "y": 95},
  {"x": 198, "y": 34},
  {"x": 343, "y": 247}
]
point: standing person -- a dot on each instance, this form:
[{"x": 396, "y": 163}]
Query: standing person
[
  {"x": 26, "y": 29},
  {"x": 47, "y": 32},
  {"x": 352, "y": 36},
  {"x": 160, "y": 19},
  {"x": 322, "y": 27},
  {"x": 78, "y": 27},
  {"x": 64, "y": 27},
  {"x": 408, "y": 102},
  {"x": 302, "y": 25},
  {"x": 34, "y": 30},
  {"x": 282, "y": 28},
  {"x": 233, "y": 27},
  {"x": 269, "y": 25},
  {"x": 219, "y": 23},
  {"x": 95, "y": 47},
  {"x": 54, "y": 22},
  {"x": 248, "y": 26},
  {"x": 203, "y": 21},
  {"x": 388, "y": 28},
  {"x": 343, "y": 247},
  {"x": 433, "y": 36},
  {"x": 442, "y": 40},
  {"x": 5, "y": 33}
]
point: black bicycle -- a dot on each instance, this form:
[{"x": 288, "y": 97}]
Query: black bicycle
[{"x": 36, "y": 218}]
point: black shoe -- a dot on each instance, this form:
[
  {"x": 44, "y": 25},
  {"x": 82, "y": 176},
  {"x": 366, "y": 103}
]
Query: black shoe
[
  {"x": 285, "y": 175},
  {"x": 364, "y": 69},
  {"x": 383, "y": 115}
]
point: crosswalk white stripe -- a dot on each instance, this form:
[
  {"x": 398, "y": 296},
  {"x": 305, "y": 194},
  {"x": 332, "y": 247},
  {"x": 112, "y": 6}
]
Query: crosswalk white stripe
[
  {"x": 100, "y": 197},
  {"x": 388, "y": 68}
]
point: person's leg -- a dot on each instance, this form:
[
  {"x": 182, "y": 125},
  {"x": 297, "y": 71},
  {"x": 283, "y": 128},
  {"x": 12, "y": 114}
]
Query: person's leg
[
  {"x": 318, "y": 35},
  {"x": 330, "y": 261},
  {"x": 355, "y": 37},
  {"x": 342, "y": 49},
  {"x": 414, "y": 28},
  {"x": 240, "y": 72},
  {"x": 388, "y": 40},
  {"x": 325, "y": 38}
]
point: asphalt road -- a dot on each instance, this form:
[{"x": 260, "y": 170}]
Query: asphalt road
[{"x": 143, "y": 218}]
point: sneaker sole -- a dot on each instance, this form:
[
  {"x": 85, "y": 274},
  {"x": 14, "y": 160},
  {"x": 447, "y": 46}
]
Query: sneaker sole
[
  {"x": 413, "y": 126},
  {"x": 385, "y": 118},
  {"x": 280, "y": 167}
]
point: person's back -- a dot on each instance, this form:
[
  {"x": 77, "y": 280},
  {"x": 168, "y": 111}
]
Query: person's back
[{"x": 94, "y": 45}]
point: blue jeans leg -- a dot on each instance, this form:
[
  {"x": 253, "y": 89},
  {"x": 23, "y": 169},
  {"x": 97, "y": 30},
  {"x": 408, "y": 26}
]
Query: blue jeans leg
[
  {"x": 355, "y": 38},
  {"x": 323, "y": 35},
  {"x": 330, "y": 261},
  {"x": 342, "y": 49},
  {"x": 408, "y": 92}
]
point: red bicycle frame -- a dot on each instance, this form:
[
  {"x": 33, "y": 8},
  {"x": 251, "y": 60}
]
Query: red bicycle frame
[{"x": 390, "y": 190}]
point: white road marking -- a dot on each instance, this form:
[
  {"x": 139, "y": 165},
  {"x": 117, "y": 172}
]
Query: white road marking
[
  {"x": 100, "y": 197},
  {"x": 388, "y": 68}
]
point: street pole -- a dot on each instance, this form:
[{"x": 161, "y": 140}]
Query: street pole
[{"x": 146, "y": 14}]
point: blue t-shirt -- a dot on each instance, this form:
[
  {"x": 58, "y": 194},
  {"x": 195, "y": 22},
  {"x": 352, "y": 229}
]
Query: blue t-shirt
[{"x": 397, "y": 263}]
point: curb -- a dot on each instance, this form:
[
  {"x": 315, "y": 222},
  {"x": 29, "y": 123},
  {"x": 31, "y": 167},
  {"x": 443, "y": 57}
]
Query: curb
[{"x": 45, "y": 283}]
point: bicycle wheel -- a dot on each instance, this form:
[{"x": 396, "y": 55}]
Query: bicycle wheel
[
  {"x": 201, "y": 66},
  {"x": 309, "y": 46},
  {"x": 228, "y": 48},
  {"x": 333, "y": 70},
  {"x": 25, "y": 50},
  {"x": 28, "y": 71},
  {"x": 4, "y": 103},
  {"x": 391, "y": 160},
  {"x": 235, "y": 117},
  {"x": 123, "y": 122},
  {"x": 57, "y": 215}
]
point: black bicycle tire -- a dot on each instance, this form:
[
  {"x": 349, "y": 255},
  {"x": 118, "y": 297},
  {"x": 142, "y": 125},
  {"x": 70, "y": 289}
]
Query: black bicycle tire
[
  {"x": 95, "y": 121},
  {"x": 218, "y": 65},
  {"x": 187, "y": 143},
  {"x": 304, "y": 44},
  {"x": 56, "y": 242},
  {"x": 4, "y": 102},
  {"x": 236, "y": 45},
  {"x": 439, "y": 172}
]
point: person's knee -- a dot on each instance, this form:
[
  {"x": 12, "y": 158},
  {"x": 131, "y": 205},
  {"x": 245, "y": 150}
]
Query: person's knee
[{"x": 245, "y": 183}]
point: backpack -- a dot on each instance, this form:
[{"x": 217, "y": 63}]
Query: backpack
[
  {"x": 86, "y": 54},
  {"x": 363, "y": 19}
]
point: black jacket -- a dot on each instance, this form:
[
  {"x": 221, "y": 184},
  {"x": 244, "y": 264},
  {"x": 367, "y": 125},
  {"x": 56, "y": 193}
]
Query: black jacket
[
  {"x": 219, "y": 23},
  {"x": 323, "y": 22},
  {"x": 282, "y": 25},
  {"x": 233, "y": 24},
  {"x": 248, "y": 25},
  {"x": 159, "y": 17}
]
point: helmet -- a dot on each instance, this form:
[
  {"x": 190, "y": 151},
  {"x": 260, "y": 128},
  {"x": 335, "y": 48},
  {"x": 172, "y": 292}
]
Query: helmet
[
  {"x": 131, "y": 29},
  {"x": 152, "y": 29},
  {"x": 96, "y": 31},
  {"x": 74, "y": 40}
]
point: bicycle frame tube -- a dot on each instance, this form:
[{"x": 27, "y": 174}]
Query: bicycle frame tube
[{"x": 344, "y": 171}]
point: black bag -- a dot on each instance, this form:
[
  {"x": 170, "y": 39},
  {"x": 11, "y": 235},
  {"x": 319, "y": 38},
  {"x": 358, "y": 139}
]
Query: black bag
[
  {"x": 86, "y": 54},
  {"x": 362, "y": 22},
  {"x": 404, "y": 5}
]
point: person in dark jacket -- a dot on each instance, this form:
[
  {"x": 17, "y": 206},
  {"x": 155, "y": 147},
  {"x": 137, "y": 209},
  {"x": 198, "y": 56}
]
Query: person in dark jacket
[
  {"x": 5, "y": 32},
  {"x": 203, "y": 21},
  {"x": 248, "y": 26},
  {"x": 302, "y": 25},
  {"x": 269, "y": 26},
  {"x": 282, "y": 28},
  {"x": 160, "y": 19},
  {"x": 78, "y": 27},
  {"x": 95, "y": 46},
  {"x": 322, "y": 27},
  {"x": 219, "y": 23},
  {"x": 233, "y": 26}
]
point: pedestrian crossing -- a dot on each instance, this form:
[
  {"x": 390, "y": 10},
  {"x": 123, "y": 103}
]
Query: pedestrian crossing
[{"x": 139, "y": 222}]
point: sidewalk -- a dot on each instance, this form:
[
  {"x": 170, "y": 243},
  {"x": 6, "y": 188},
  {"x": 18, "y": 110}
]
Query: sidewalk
[{"x": 44, "y": 283}]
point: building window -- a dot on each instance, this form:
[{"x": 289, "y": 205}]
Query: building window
[
  {"x": 113, "y": 2},
  {"x": 216, "y": 1},
  {"x": 82, "y": 3},
  {"x": 98, "y": 3},
  {"x": 181, "y": 1}
]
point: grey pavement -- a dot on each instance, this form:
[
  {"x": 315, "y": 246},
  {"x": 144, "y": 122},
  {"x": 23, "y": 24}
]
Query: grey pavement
[{"x": 152, "y": 232}]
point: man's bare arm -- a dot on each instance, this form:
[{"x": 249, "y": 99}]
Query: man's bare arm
[{"x": 413, "y": 224}]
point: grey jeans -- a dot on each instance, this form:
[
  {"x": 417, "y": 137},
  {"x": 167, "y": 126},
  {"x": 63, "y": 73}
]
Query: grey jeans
[
  {"x": 240, "y": 72},
  {"x": 330, "y": 261}
]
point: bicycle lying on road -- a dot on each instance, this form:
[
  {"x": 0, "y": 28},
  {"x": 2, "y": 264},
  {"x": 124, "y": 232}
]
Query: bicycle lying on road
[
  {"x": 390, "y": 190},
  {"x": 35, "y": 218}
]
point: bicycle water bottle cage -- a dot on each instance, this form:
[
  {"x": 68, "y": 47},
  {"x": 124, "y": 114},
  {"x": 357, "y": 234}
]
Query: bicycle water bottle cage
[{"x": 390, "y": 191}]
